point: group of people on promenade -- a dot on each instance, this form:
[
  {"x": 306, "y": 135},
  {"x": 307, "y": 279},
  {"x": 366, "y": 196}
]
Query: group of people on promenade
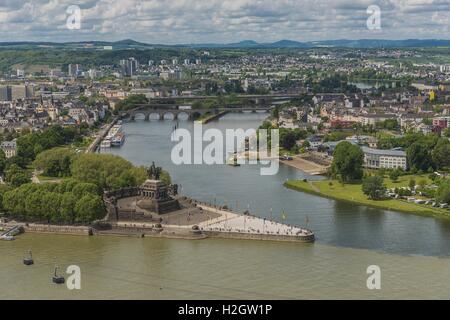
[{"x": 268, "y": 227}]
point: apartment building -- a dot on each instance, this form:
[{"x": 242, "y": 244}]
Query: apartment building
[{"x": 387, "y": 159}]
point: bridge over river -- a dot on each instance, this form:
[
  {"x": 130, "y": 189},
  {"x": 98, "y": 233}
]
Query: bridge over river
[{"x": 160, "y": 112}]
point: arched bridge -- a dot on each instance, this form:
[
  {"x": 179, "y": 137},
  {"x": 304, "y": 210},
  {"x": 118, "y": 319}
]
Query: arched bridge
[{"x": 159, "y": 113}]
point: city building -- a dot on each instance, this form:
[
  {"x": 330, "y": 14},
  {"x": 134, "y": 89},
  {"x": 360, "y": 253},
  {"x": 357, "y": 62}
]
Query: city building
[
  {"x": 5, "y": 93},
  {"x": 441, "y": 122},
  {"x": 9, "y": 148},
  {"x": 74, "y": 70},
  {"x": 170, "y": 74},
  {"x": 129, "y": 67},
  {"x": 315, "y": 141},
  {"x": 387, "y": 159}
]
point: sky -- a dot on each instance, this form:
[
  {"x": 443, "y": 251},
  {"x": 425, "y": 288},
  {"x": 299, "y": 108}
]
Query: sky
[{"x": 221, "y": 21}]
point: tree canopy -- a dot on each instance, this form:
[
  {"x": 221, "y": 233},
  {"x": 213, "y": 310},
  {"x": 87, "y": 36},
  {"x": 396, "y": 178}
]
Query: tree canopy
[
  {"x": 49, "y": 202},
  {"x": 107, "y": 171},
  {"x": 55, "y": 162},
  {"x": 373, "y": 187},
  {"x": 347, "y": 162}
]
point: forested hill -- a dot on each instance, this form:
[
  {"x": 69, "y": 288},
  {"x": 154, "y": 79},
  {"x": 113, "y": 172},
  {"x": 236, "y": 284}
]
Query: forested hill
[{"x": 54, "y": 58}]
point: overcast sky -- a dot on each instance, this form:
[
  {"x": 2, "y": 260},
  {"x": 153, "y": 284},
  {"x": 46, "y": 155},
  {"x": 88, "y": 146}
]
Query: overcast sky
[{"x": 222, "y": 21}]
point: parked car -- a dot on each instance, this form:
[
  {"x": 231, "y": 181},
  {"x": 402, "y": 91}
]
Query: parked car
[{"x": 286, "y": 157}]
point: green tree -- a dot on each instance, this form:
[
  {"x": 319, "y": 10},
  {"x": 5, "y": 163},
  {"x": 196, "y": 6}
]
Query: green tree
[
  {"x": 68, "y": 203},
  {"x": 373, "y": 187},
  {"x": 51, "y": 202},
  {"x": 422, "y": 184},
  {"x": 3, "y": 189},
  {"x": 17, "y": 176},
  {"x": 14, "y": 201},
  {"x": 35, "y": 207},
  {"x": 441, "y": 154},
  {"x": 394, "y": 175},
  {"x": 288, "y": 140},
  {"x": 418, "y": 157},
  {"x": 2, "y": 161},
  {"x": 89, "y": 208},
  {"x": 131, "y": 102},
  {"x": 412, "y": 184},
  {"x": 55, "y": 162},
  {"x": 443, "y": 192},
  {"x": 446, "y": 132},
  {"x": 67, "y": 185},
  {"x": 84, "y": 188},
  {"x": 347, "y": 162},
  {"x": 107, "y": 171}
]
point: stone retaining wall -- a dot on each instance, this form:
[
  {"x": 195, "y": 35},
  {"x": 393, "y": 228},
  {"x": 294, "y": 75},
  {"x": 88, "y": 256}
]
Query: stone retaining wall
[
  {"x": 71, "y": 230},
  {"x": 253, "y": 236}
]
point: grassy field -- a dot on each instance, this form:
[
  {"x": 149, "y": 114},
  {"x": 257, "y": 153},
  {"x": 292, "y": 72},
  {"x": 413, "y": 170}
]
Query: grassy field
[{"x": 353, "y": 193}]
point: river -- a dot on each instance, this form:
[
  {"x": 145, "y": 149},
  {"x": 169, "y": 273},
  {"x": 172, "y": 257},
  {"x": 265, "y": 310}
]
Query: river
[{"x": 412, "y": 251}]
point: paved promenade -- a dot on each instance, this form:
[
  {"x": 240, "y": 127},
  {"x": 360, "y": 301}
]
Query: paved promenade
[{"x": 237, "y": 223}]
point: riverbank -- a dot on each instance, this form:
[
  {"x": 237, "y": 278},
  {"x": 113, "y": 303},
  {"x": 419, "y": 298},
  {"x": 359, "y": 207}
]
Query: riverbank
[
  {"x": 100, "y": 135},
  {"x": 210, "y": 222},
  {"x": 305, "y": 164},
  {"x": 49, "y": 228},
  {"x": 198, "y": 220},
  {"x": 211, "y": 117},
  {"x": 352, "y": 193}
]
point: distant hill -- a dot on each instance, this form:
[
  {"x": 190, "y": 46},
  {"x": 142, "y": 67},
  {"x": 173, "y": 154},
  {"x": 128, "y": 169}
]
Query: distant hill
[
  {"x": 247, "y": 44},
  {"x": 379, "y": 43}
]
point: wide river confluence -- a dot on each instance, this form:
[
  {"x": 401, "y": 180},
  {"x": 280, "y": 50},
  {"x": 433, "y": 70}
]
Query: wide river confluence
[{"x": 412, "y": 251}]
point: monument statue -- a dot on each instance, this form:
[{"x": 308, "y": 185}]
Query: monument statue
[{"x": 154, "y": 172}]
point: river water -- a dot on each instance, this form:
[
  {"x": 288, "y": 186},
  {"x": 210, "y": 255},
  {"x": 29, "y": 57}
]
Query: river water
[{"x": 412, "y": 251}]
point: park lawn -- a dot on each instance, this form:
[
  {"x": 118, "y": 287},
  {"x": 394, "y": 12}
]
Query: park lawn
[
  {"x": 403, "y": 181},
  {"x": 353, "y": 193}
]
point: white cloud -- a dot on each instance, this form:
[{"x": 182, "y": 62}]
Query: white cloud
[{"x": 188, "y": 21}]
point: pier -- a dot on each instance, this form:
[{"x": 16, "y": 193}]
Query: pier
[{"x": 100, "y": 136}]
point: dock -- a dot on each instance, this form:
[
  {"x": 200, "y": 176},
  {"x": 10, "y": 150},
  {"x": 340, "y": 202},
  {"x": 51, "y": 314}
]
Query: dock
[{"x": 100, "y": 136}]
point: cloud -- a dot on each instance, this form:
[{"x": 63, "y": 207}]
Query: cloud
[{"x": 194, "y": 21}]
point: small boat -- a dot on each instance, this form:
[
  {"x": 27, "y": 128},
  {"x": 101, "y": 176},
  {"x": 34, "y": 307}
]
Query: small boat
[
  {"x": 28, "y": 261},
  {"x": 233, "y": 161},
  {"x": 105, "y": 144},
  {"x": 57, "y": 279},
  {"x": 7, "y": 238},
  {"x": 118, "y": 139}
]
